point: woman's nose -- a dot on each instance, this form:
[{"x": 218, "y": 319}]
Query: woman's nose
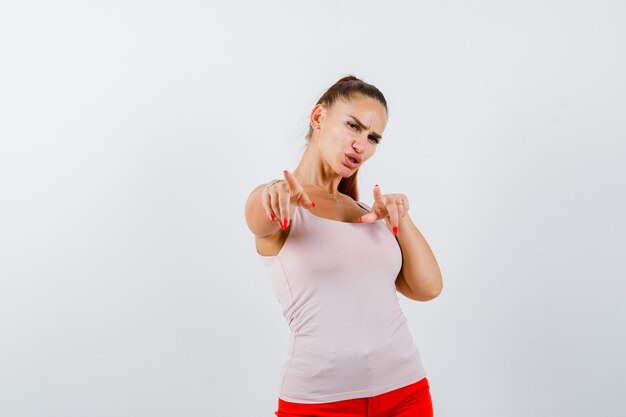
[{"x": 357, "y": 145}]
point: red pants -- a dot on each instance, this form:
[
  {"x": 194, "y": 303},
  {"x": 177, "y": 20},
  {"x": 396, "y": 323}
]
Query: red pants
[{"x": 409, "y": 401}]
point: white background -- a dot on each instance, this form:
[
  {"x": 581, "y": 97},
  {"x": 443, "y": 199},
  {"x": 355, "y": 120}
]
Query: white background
[{"x": 132, "y": 133}]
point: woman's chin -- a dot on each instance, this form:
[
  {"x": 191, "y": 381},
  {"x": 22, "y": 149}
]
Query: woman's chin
[
  {"x": 345, "y": 171},
  {"x": 350, "y": 171}
]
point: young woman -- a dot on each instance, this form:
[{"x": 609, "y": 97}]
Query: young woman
[{"x": 335, "y": 268}]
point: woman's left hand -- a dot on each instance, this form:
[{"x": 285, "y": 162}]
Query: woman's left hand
[{"x": 391, "y": 207}]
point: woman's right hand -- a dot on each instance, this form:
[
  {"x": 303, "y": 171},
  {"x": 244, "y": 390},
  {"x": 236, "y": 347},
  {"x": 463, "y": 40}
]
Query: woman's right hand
[{"x": 280, "y": 198}]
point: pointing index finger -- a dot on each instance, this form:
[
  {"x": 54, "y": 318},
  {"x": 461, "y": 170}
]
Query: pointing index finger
[
  {"x": 294, "y": 185},
  {"x": 377, "y": 193},
  {"x": 296, "y": 190}
]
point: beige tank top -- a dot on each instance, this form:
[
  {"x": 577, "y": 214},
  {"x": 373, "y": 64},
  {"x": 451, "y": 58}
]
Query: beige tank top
[{"x": 336, "y": 284}]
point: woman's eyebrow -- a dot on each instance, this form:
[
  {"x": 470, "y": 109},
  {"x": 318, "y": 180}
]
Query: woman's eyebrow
[{"x": 373, "y": 135}]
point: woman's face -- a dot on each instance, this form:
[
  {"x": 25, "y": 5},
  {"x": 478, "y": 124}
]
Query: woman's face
[{"x": 350, "y": 129}]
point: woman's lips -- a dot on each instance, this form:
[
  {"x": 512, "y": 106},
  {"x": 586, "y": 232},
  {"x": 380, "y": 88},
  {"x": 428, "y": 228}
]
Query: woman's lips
[{"x": 348, "y": 162}]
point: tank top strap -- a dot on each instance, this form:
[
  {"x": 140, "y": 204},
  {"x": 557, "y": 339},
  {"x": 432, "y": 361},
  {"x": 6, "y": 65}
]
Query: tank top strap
[{"x": 365, "y": 206}]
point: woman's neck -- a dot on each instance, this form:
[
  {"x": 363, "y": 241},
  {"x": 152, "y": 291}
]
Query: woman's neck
[{"x": 313, "y": 170}]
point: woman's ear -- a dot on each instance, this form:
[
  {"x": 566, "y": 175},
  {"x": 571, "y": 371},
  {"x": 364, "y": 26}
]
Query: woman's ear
[{"x": 316, "y": 116}]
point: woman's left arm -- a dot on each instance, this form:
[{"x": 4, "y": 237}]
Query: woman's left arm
[{"x": 420, "y": 277}]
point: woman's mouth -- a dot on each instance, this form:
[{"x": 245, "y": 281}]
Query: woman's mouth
[{"x": 350, "y": 162}]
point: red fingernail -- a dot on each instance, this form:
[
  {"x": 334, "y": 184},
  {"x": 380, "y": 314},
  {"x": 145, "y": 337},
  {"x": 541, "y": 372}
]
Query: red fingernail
[
  {"x": 282, "y": 227},
  {"x": 313, "y": 203},
  {"x": 271, "y": 216},
  {"x": 360, "y": 219},
  {"x": 395, "y": 230},
  {"x": 285, "y": 172}
]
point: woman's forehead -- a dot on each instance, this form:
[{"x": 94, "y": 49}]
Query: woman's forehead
[{"x": 365, "y": 109}]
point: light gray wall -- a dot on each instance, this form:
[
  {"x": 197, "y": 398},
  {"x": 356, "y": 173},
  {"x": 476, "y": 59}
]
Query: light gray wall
[{"x": 131, "y": 134}]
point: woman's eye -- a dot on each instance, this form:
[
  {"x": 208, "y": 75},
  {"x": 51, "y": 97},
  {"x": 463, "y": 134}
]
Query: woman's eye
[{"x": 354, "y": 126}]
